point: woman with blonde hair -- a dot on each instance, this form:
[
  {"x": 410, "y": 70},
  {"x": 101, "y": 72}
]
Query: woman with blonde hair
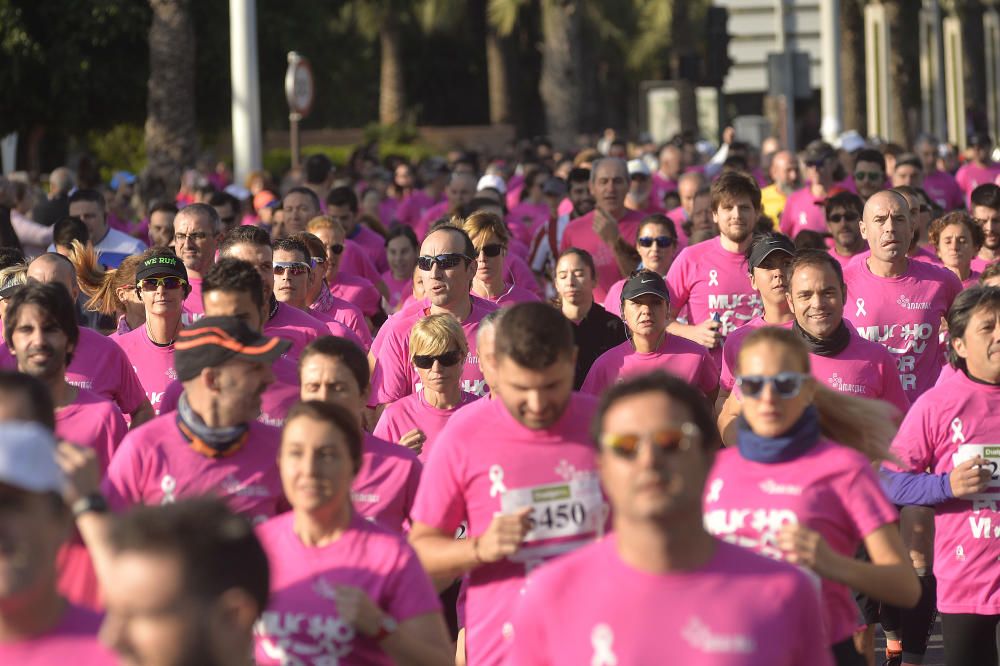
[
  {"x": 437, "y": 350},
  {"x": 491, "y": 239},
  {"x": 800, "y": 486},
  {"x": 116, "y": 296}
]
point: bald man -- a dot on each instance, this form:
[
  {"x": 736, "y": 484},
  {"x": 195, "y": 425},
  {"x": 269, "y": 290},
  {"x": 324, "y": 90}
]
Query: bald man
[
  {"x": 99, "y": 365},
  {"x": 784, "y": 174}
]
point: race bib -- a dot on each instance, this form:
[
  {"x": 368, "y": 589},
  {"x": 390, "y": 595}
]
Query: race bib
[
  {"x": 991, "y": 453},
  {"x": 566, "y": 509}
]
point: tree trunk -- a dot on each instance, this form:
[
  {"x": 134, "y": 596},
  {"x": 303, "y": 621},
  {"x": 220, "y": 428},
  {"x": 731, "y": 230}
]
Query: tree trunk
[
  {"x": 171, "y": 132},
  {"x": 852, "y": 66},
  {"x": 560, "y": 83},
  {"x": 904, "y": 72},
  {"x": 973, "y": 48},
  {"x": 499, "y": 85},
  {"x": 392, "y": 93},
  {"x": 683, "y": 44}
]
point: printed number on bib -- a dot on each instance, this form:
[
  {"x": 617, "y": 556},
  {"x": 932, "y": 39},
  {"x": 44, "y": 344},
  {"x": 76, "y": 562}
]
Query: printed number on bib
[
  {"x": 989, "y": 452},
  {"x": 558, "y": 510}
]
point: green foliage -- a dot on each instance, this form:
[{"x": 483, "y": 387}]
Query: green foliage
[
  {"x": 402, "y": 133},
  {"x": 121, "y": 147},
  {"x": 279, "y": 160}
]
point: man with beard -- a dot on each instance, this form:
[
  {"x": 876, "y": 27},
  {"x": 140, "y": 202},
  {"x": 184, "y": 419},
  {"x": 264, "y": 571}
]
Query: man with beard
[
  {"x": 843, "y": 221},
  {"x": 986, "y": 213}
]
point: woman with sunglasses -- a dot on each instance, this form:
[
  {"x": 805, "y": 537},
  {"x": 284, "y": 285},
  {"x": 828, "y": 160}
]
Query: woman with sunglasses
[
  {"x": 162, "y": 285},
  {"x": 656, "y": 244},
  {"x": 343, "y": 589},
  {"x": 490, "y": 238},
  {"x": 437, "y": 349},
  {"x": 799, "y": 485},
  {"x": 957, "y": 240}
]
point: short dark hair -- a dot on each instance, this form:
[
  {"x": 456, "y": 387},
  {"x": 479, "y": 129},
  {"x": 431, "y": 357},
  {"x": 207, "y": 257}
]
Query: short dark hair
[
  {"x": 870, "y": 155},
  {"x": 318, "y": 168},
  {"x": 731, "y": 184},
  {"x": 54, "y": 299},
  {"x": 807, "y": 239},
  {"x": 584, "y": 256},
  {"x": 403, "y": 231},
  {"x": 910, "y": 159},
  {"x": 534, "y": 336},
  {"x": 343, "y": 196},
  {"x": 163, "y": 207},
  {"x": 346, "y": 351},
  {"x": 660, "y": 219},
  {"x": 234, "y": 275},
  {"x": 244, "y": 234},
  {"x": 337, "y": 416},
  {"x": 967, "y": 302},
  {"x": 223, "y": 198},
  {"x": 306, "y": 191},
  {"x": 991, "y": 271},
  {"x": 11, "y": 256},
  {"x": 217, "y": 548},
  {"x": 846, "y": 200},
  {"x": 816, "y": 259},
  {"x": 37, "y": 398},
  {"x": 578, "y": 175},
  {"x": 291, "y": 245},
  {"x": 672, "y": 388},
  {"x": 92, "y": 196},
  {"x": 70, "y": 229},
  {"x": 987, "y": 195}
]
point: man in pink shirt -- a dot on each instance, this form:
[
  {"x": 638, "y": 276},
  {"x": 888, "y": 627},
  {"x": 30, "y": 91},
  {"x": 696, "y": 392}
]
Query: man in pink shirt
[
  {"x": 981, "y": 169},
  {"x": 213, "y": 444},
  {"x": 354, "y": 290},
  {"x": 986, "y": 213},
  {"x": 42, "y": 334},
  {"x": 299, "y": 205},
  {"x": 342, "y": 207},
  {"x": 345, "y": 258},
  {"x": 528, "y": 489},
  {"x": 688, "y": 187},
  {"x": 667, "y": 175},
  {"x": 645, "y": 304},
  {"x": 804, "y": 208},
  {"x": 252, "y": 244},
  {"x": 190, "y": 580},
  {"x": 939, "y": 185},
  {"x": 39, "y": 625},
  {"x": 197, "y": 234},
  {"x": 98, "y": 365},
  {"x": 607, "y": 232},
  {"x": 447, "y": 265},
  {"x": 710, "y": 278},
  {"x": 336, "y": 370},
  {"x": 460, "y": 191},
  {"x": 433, "y": 173},
  {"x": 843, "y": 222},
  {"x": 660, "y": 589}
]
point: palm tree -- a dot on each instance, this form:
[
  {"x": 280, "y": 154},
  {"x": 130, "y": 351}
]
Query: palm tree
[
  {"x": 852, "y": 65},
  {"x": 171, "y": 131},
  {"x": 385, "y": 20}
]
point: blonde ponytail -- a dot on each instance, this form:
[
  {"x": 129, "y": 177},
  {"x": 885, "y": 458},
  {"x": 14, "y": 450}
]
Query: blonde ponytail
[
  {"x": 89, "y": 272},
  {"x": 105, "y": 299}
]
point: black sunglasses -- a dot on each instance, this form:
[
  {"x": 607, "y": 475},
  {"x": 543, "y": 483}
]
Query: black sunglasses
[
  {"x": 447, "y": 359},
  {"x": 661, "y": 241},
  {"x": 845, "y": 217},
  {"x": 492, "y": 250},
  {"x": 445, "y": 261},
  {"x": 336, "y": 248}
]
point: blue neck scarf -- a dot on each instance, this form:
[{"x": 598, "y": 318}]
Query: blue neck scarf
[{"x": 799, "y": 439}]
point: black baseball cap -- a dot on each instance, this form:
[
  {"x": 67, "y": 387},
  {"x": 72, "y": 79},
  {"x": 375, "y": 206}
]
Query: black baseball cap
[
  {"x": 161, "y": 265},
  {"x": 211, "y": 341},
  {"x": 764, "y": 246},
  {"x": 645, "y": 282}
]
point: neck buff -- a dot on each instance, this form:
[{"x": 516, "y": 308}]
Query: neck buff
[
  {"x": 209, "y": 442},
  {"x": 799, "y": 439},
  {"x": 830, "y": 346}
]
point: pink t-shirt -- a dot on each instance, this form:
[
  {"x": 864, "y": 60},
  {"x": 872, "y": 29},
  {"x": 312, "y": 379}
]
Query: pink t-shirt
[
  {"x": 676, "y": 355},
  {"x": 845, "y": 261},
  {"x": 72, "y": 641},
  {"x": 394, "y": 376},
  {"x": 373, "y": 244},
  {"x": 301, "y": 624},
  {"x": 970, "y": 176},
  {"x": 508, "y": 467},
  {"x": 864, "y": 369},
  {"x": 731, "y": 349},
  {"x": 904, "y": 315},
  {"x": 413, "y": 413},
  {"x": 295, "y": 326},
  {"x": 156, "y": 465},
  {"x": 526, "y": 218},
  {"x": 94, "y": 422},
  {"x": 802, "y": 212},
  {"x": 193, "y": 303},
  {"x": 515, "y": 294},
  {"x": 153, "y": 364},
  {"x": 955, "y": 418},
  {"x": 385, "y": 486},
  {"x": 661, "y": 185},
  {"x": 357, "y": 291},
  {"x": 344, "y": 320},
  {"x": 355, "y": 260},
  {"x": 398, "y": 289},
  {"x": 831, "y": 489},
  {"x": 679, "y": 217},
  {"x": 413, "y": 207},
  {"x": 101, "y": 366},
  {"x": 580, "y": 234},
  {"x": 922, "y": 254},
  {"x": 709, "y": 279},
  {"x": 941, "y": 187},
  {"x": 613, "y": 299},
  {"x": 979, "y": 264},
  {"x": 591, "y": 607},
  {"x": 429, "y": 217},
  {"x": 517, "y": 271}
]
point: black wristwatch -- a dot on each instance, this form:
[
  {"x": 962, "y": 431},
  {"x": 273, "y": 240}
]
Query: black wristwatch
[{"x": 93, "y": 502}]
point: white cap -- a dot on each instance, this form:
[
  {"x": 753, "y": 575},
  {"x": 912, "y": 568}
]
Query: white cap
[
  {"x": 638, "y": 168},
  {"x": 850, "y": 141},
  {"x": 237, "y": 191},
  {"x": 491, "y": 181},
  {"x": 28, "y": 458}
]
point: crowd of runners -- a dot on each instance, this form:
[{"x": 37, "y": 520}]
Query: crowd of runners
[{"x": 629, "y": 405}]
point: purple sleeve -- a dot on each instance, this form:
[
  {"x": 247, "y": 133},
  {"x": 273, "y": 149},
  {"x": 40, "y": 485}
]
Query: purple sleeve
[
  {"x": 865, "y": 501},
  {"x": 916, "y": 488}
]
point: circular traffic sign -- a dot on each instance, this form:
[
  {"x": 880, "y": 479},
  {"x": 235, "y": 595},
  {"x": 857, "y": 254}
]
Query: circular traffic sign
[{"x": 299, "y": 88}]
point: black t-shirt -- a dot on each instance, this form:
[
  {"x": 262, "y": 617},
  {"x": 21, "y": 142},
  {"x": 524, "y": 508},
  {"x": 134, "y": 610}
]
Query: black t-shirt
[{"x": 596, "y": 333}]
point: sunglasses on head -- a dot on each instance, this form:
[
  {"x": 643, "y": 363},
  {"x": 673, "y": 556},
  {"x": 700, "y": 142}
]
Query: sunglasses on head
[
  {"x": 868, "y": 175},
  {"x": 491, "y": 250},
  {"x": 336, "y": 248},
  {"x": 844, "y": 217},
  {"x": 154, "y": 283},
  {"x": 445, "y": 261},
  {"x": 447, "y": 359},
  {"x": 786, "y": 384},
  {"x": 293, "y": 268},
  {"x": 666, "y": 440},
  {"x": 661, "y": 241}
]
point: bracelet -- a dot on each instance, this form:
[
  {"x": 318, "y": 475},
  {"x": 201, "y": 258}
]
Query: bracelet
[{"x": 475, "y": 550}]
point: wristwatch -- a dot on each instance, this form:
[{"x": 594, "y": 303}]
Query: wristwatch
[
  {"x": 387, "y": 626},
  {"x": 93, "y": 502}
]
